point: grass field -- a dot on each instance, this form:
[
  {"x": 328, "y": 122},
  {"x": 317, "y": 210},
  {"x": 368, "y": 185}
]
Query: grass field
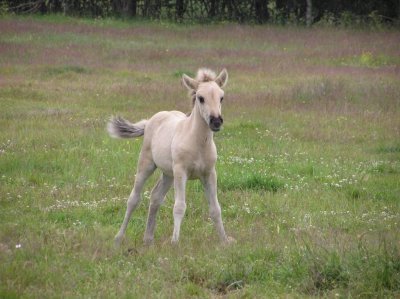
[{"x": 308, "y": 166}]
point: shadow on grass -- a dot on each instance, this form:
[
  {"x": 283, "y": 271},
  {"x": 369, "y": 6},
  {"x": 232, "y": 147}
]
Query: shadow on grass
[{"x": 251, "y": 182}]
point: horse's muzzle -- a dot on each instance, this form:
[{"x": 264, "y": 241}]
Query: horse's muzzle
[{"x": 216, "y": 123}]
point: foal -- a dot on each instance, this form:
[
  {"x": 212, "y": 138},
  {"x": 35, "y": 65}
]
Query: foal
[{"x": 182, "y": 147}]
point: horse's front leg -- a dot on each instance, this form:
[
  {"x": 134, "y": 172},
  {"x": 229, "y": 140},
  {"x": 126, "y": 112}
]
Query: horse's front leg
[
  {"x": 180, "y": 179},
  {"x": 210, "y": 188}
]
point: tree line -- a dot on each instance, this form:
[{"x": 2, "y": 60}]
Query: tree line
[{"x": 247, "y": 11}]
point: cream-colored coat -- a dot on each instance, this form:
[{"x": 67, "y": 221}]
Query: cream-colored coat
[{"x": 182, "y": 147}]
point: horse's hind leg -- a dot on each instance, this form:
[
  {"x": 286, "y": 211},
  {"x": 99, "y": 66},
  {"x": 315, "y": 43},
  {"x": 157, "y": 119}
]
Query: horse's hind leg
[
  {"x": 145, "y": 169},
  {"x": 156, "y": 199}
]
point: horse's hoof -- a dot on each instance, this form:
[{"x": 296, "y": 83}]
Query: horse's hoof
[
  {"x": 229, "y": 241},
  {"x": 148, "y": 242},
  {"x": 117, "y": 241}
]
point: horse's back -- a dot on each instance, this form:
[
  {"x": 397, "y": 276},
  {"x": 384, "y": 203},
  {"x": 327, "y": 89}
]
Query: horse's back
[{"x": 164, "y": 119}]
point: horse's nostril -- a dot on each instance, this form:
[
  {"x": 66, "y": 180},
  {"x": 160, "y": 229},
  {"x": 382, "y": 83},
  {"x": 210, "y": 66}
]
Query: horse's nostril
[{"x": 216, "y": 121}]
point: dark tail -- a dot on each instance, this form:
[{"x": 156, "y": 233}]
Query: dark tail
[{"x": 119, "y": 127}]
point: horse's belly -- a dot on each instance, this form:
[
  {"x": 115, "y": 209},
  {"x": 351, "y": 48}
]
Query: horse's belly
[
  {"x": 161, "y": 150},
  {"x": 162, "y": 140},
  {"x": 163, "y": 162}
]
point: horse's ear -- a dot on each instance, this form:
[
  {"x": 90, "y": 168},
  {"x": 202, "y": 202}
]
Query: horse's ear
[
  {"x": 222, "y": 78},
  {"x": 189, "y": 83}
]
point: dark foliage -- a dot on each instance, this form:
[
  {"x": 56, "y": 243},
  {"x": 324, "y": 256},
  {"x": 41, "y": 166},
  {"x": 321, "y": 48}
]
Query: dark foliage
[{"x": 251, "y": 11}]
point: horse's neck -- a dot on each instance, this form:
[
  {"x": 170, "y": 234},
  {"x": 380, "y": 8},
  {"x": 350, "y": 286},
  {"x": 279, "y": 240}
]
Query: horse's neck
[{"x": 198, "y": 127}]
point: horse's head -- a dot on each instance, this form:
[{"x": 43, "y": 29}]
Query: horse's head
[{"x": 207, "y": 95}]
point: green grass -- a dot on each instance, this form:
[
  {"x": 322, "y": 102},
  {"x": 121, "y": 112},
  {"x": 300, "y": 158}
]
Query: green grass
[{"x": 308, "y": 161}]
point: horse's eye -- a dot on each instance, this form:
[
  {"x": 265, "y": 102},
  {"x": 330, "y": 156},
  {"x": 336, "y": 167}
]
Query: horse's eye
[
  {"x": 201, "y": 99},
  {"x": 222, "y": 98}
]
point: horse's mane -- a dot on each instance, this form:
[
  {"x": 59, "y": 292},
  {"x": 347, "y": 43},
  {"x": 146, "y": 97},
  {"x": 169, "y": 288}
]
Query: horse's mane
[{"x": 203, "y": 75}]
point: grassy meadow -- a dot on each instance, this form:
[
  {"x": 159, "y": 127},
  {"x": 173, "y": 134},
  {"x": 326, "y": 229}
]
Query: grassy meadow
[{"x": 308, "y": 165}]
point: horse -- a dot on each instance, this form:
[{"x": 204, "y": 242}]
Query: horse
[{"x": 182, "y": 147}]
